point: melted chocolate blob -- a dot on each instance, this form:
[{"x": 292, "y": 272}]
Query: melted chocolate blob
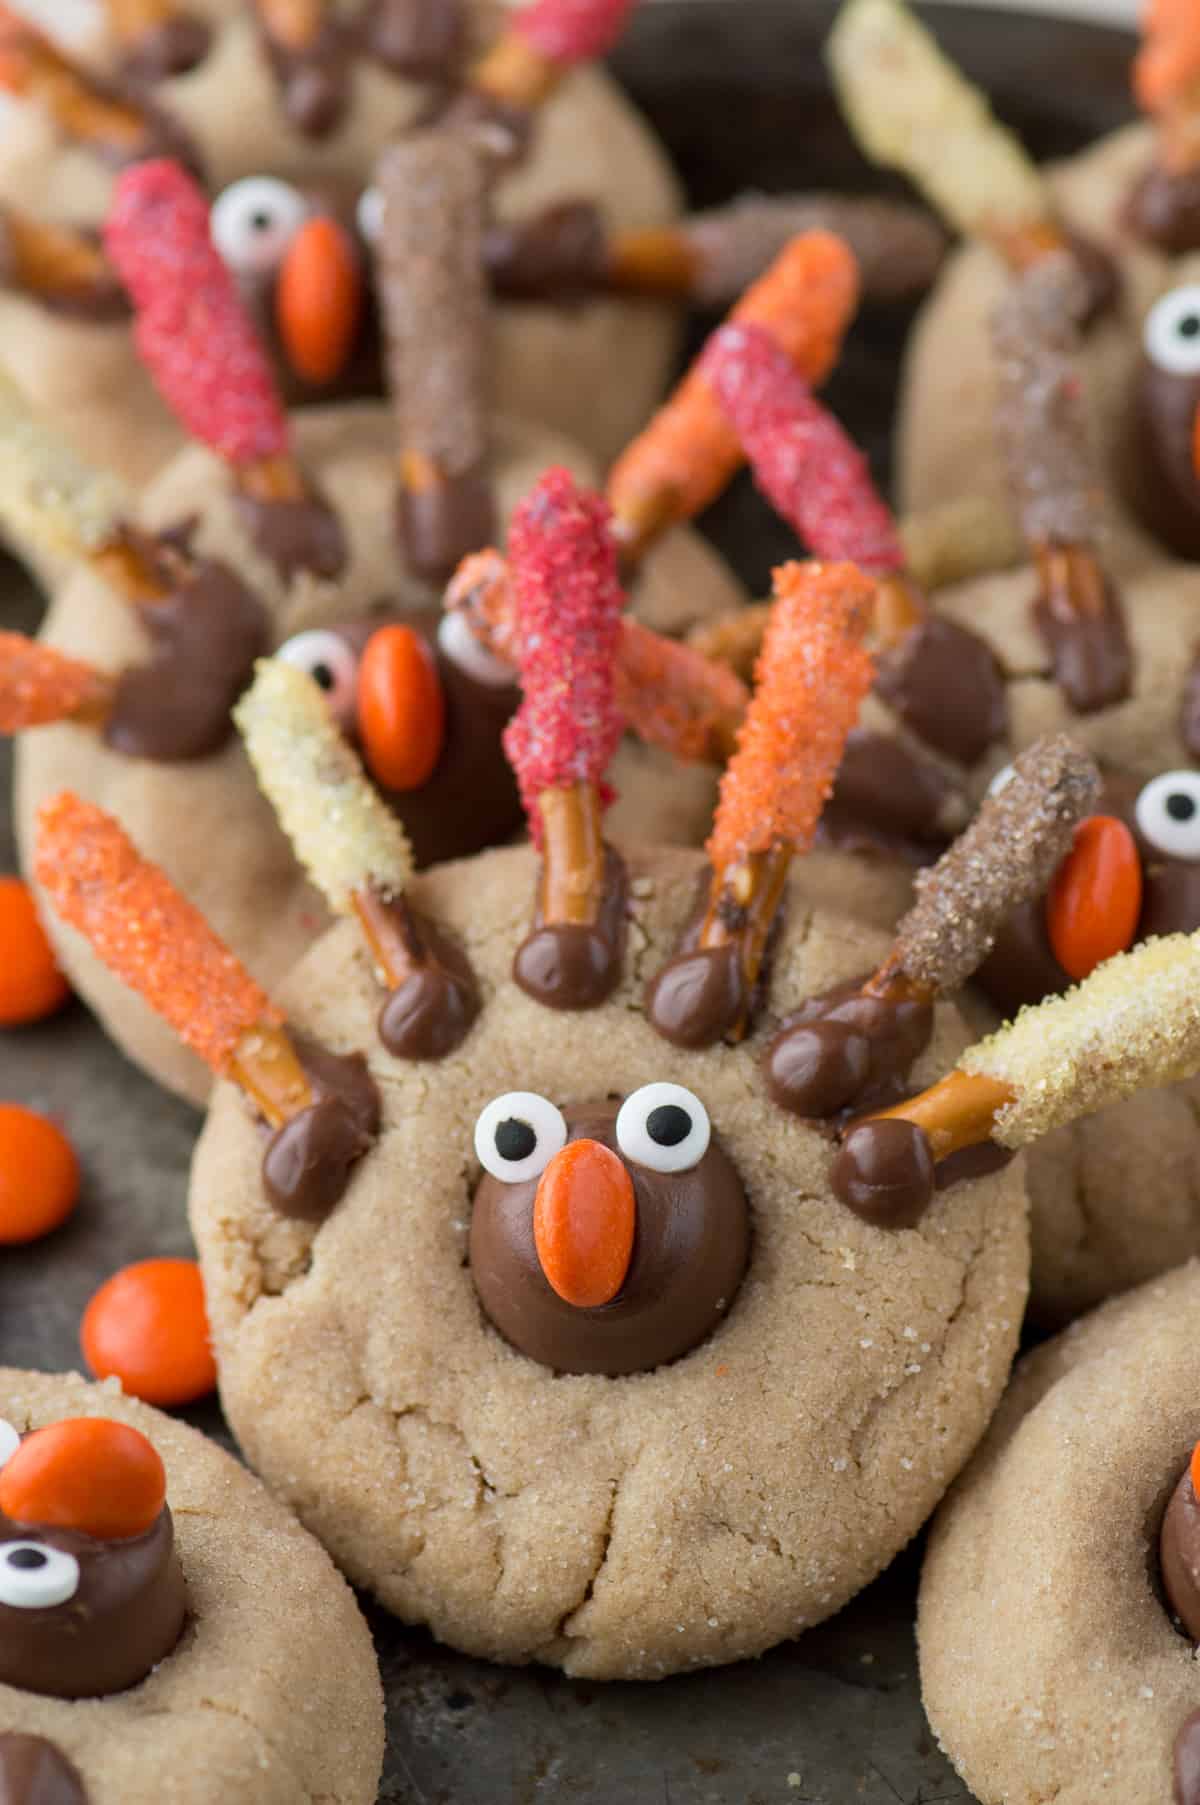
[
  {"x": 884, "y": 1171},
  {"x": 946, "y": 684},
  {"x": 431, "y": 1012},
  {"x": 437, "y": 528},
  {"x": 1090, "y": 653},
  {"x": 842, "y": 1051},
  {"x": 35, "y": 1772},
  {"x": 559, "y": 254},
  {"x": 1164, "y": 208},
  {"x": 1161, "y": 474},
  {"x": 690, "y": 1251},
  {"x": 207, "y": 634},
  {"x": 699, "y": 996},
  {"x": 307, "y": 1163},
  {"x": 126, "y": 1615},
  {"x": 1101, "y": 273},
  {"x": 566, "y": 966},
  {"x": 888, "y": 797},
  {"x": 1189, "y": 709},
  {"x": 1179, "y": 1555},
  {"x": 314, "y": 81},
  {"x": 295, "y": 535},
  {"x": 171, "y": 47},
  {"x": 418, "y": 38},
  {"x": 1186, "y": 1762}
]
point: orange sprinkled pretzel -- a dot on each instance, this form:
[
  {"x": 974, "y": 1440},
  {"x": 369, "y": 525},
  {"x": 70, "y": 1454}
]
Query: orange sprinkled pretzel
[
  {"x": 689, "y": 452},
  {"x": 39, "y": 685},
  {"x": 160, "y": 945},
  {"x": 31, "y": 66}
]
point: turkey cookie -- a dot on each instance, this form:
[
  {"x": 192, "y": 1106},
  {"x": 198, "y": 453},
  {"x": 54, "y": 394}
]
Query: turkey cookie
[
  {"x": 167, "y": 1630},
  {"x": 164, "y": 760},
  {"x": 285, "y": 114},
  {"x": 1070, "y": 1673},
  {"x": 1129, "y": 203},
  {"x": 574, "y": 1349}
]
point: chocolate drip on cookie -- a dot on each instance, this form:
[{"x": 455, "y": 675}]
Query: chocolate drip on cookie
[
  {"x": 577, "y": 965},
  {"x": 946, "y": 685},
  {"x": 207, "y": 630},
  {"x": 430, "y": 1011},
  {"x": 559, "y": 254},
  {"x": 884, "y": 1171},
  {"x": 307, "y": 1163},
  {"x": 846, "y": 1049},
  {"x": 418, "y": 38},
  {"x": 296, "y": 533},
  {"x": 34, "y": 1771}
]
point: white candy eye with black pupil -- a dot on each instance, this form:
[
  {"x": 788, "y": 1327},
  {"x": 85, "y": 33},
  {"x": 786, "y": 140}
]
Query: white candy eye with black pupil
[
  {"x": 253, "y": 222},
  {"x": 34, "y": 1577},
  {"x": 369, "y": 215},
  {"x": 517, "y": 1136},
  {"x": 333, "y": 667},
  {"x": 1168, "y": 814},
  {"x": 461, "y": 647},
  {"x": 664, "y": 1128},
  {"x": 10, "y": 1441},
  {"x": 1171, "y": 335}
]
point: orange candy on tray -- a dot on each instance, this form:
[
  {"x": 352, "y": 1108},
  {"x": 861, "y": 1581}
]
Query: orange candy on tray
[
  {"x": 39, "y": 1176},
  {"x": 31, "y": 985},
  {"x": 85, "y": 1473},
  {"x": 148, "y": 1326}
]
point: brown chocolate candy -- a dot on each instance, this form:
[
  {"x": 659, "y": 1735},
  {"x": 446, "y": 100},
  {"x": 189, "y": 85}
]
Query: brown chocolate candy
[
  {"x": 1101, "y": 274},
  {"x": 843, "y": 1051},
  {"x": 559, "y": 254},
  {"x": 884, "y": 1171},
  {"x": 1164, "y": 208},
  {"x": 295, "y": 535},
  {"x": 314, "y": 81},
  {"x": 1161, "y": 472},
  {"x": 35, "y": 1772},
  {"x": 1179, "y": 1554},
  {"x": 691, "y": 1245},
  {"x": 567, "y": 966},
  {"x": 421, "y": 39},
  {"x": 946, "y": 684},
  {"x": 125, "y": 1616},
  {"x": 207, "y": 634},
  {"x": 307, "y": 1163},
  {"x": 1090, "y": 653},
  {"x": 431, "y": 1011},
  {"x": 438, "y": 527}
]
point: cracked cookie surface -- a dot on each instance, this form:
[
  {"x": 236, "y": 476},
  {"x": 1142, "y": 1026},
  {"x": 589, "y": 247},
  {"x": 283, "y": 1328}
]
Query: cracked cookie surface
[
  {"x": 624, "y": 1527},
  {"x": 272, "y": 1696}
]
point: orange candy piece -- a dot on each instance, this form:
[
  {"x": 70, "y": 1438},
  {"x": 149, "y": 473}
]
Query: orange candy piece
[
  {"x": 1167, "y": 69},
  {"x": 583, "y": 1223},
  {"x": 31, "y": 985},
  {"x": 318, "y": 299},
  {"x": 401, "y": 709},
  {"x": 1096, "y": 897},
  {"x": 148, "y": 1326},
  {"x": 1194, "y": 1469},
  {"x": 39, "y": 1176},
  {"x": 86, "y": 1473}
]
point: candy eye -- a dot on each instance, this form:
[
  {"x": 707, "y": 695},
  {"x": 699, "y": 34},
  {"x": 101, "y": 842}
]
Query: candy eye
[
  {"x": 333, "y": 667},
  {"x": 517, "y": 1136},
  {"x": 34, "y": 1577},
  {"x": 369, "y": 215},
  {"x": 10, "y": 1441},
  {"x": 253, "y": 222},
  {"x": 1172, "y": 332},
  {"x": 1168, "y": 814},
  {"x": 461, "y": 647},
  {"x": 664, "y": 1127}
]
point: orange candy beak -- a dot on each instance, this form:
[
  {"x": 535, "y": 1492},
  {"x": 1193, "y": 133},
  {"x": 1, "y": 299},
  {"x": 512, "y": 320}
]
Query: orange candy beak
[
  {"x": 401, "y": 709},
  {"x": 583, "y": 1223},
  {"x": 1196, "y": 444},
  {"x": 1094, "y": 903},
  {"x": 88, "y": 1474},
  {"x": 318, "y": 300}
]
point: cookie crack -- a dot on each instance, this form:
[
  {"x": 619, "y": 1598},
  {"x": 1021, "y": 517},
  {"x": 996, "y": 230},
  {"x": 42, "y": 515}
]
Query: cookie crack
[{"x": 273, "y": 1748}]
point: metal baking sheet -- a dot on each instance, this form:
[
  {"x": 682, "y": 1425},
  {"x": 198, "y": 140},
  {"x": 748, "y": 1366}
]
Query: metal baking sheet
[{"x": 736, "y": 88}]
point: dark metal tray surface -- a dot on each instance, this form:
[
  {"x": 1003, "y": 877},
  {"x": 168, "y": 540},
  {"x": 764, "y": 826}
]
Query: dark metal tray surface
[{"x": 737, "y": 90}]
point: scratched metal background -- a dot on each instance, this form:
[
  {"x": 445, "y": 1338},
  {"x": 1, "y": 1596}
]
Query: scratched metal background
[{"x": 736, "y": 89}]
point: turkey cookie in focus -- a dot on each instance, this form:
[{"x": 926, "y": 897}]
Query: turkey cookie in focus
[{"x": 166, "y": 1628}]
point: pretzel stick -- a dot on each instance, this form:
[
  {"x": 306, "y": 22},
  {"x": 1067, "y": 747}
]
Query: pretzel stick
[
  {"x": 160, "y": 945},
  {"x": 541, "y": 43},
  {"x": 667, "y": 693},
  {"x": 33, "y": 68},
  {"x": 58, "y": 265},
  {"x": 689, "y": 452}
]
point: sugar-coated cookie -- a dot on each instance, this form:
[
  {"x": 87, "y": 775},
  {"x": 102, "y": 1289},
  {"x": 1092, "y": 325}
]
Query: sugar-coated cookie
[
  {"x": 202, "y": 1650},
  {"x": 203, "y": 818},
  {"x": 1057, "y": 1616},
  {"x": 612, "y": 1526}
]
